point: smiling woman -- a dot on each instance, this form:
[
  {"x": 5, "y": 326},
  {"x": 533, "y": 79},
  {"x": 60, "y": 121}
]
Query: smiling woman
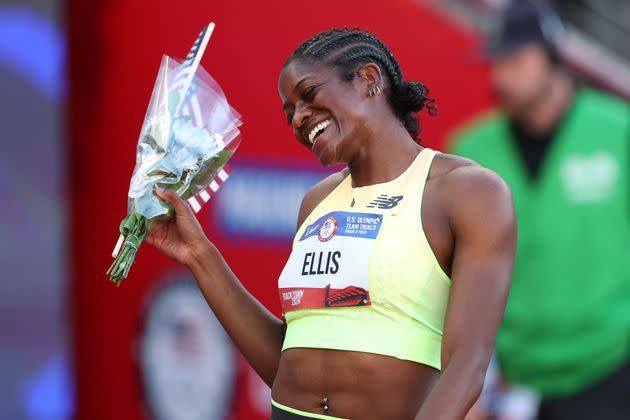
[
  {"x": 346, "y": 53},
  {"x": 401, "y": 263}
]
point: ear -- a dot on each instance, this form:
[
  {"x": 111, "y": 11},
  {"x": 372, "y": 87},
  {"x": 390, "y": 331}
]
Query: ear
[{"x": 371, "y": 76}]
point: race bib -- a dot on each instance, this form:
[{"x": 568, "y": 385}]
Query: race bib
[{"x": 329, "y": 264}]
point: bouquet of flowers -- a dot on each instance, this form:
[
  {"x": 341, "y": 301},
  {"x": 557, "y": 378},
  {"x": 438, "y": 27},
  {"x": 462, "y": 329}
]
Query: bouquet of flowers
[{"x": 188, "y": 135}]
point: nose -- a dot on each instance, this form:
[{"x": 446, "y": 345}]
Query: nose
[{"x": 300, "y": 114}]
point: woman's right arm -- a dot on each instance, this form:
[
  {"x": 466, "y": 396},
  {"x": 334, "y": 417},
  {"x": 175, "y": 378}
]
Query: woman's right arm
[{"x": 255, "y": 331}]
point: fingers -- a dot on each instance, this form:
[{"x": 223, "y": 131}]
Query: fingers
[{"x": 171, "y": 196}]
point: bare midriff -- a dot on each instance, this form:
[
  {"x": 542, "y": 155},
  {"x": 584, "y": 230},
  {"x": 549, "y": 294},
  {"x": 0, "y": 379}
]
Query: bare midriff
[{"x": 351, "y": 385}]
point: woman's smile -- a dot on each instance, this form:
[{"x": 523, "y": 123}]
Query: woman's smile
[{"x": 316, "y": 131}]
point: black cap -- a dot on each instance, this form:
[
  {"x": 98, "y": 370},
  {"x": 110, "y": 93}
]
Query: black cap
[{"x": 525, "y": 22}]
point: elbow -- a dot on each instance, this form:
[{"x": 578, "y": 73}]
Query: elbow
[
  {"x": 478, "y": 369},
  {"x": 471, "y": 368},
  {"x": 477, "y": 380}
]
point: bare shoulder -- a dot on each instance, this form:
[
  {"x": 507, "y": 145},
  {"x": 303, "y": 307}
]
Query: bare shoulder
[
  {"x": 472, "y": 193},
  {"x": 444, "y": 163},
  {"x": 318, "y": 192},
  {"x": 461, "y": 177}
]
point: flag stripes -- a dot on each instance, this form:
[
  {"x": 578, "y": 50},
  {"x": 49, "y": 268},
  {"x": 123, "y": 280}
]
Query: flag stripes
[{"x": 215, "y": 184}]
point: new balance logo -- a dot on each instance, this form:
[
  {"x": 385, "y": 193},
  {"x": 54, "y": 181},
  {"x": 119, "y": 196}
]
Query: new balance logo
[{"x": 384, "y": 202}]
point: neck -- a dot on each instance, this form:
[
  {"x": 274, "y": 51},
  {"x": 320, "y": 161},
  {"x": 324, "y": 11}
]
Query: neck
[
  {"x": 387, "y": 152},
  {"x": 546, "y": 113}
]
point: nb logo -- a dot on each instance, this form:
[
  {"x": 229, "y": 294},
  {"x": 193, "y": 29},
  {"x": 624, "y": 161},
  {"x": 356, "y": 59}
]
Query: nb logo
[{"x": 384, "y": 202}]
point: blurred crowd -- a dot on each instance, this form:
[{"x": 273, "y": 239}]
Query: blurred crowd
[{"x": 563, "y": 351}]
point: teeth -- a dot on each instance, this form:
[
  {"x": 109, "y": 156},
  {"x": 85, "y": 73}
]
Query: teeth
[{"x": 319, "y": 127}]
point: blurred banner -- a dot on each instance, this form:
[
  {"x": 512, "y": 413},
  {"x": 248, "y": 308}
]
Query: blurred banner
[
  {"x": 151, "y": 349},
  {"x": 35, "y": 380}
]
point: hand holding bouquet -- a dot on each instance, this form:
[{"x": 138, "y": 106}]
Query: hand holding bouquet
[{"x": 188, "y": 135}]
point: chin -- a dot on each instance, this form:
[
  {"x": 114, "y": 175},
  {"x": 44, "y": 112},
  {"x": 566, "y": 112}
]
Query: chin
[
  {"x": 327, "y": 162},
  {"x": 329, "y": 156},
  {"x": 514, "y": 104}
]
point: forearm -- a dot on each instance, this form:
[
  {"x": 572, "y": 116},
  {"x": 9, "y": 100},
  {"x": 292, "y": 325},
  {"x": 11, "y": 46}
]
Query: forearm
[
  {"x": 255, "y": 331},
  {"x": 455, "y": 392}
]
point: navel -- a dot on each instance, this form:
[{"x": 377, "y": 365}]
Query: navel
[{"x": 325, "y": 404}]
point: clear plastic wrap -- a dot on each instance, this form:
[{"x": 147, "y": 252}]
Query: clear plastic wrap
[
  {"x": 189, "y": 133},
  {"x": 181, "y": 147}
]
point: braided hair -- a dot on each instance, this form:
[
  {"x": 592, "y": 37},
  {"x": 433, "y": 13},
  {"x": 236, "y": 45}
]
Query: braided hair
[{"x": 348, "y": 50}]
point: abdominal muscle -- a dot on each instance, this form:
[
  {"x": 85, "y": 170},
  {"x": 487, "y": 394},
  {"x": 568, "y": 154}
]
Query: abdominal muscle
[{"x": 352, "y": 385}]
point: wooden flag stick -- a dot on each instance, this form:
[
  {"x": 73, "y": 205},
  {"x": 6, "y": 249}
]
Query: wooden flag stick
[{"x": 119, "y": 244}]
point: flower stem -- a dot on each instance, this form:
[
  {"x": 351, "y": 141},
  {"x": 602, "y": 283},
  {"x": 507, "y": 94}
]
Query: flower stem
[{"x": 134, "y": 229}]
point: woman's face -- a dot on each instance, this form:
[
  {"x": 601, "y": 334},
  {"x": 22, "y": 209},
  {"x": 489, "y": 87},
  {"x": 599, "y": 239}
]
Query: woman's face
[{"x": 328, "y": 114}]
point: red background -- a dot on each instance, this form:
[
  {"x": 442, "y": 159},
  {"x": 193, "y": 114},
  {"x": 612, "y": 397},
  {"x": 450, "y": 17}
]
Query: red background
[{"x": 115, "y": 51}]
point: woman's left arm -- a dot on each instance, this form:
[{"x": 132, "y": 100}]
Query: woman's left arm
[{"x": 483, "y": 224}]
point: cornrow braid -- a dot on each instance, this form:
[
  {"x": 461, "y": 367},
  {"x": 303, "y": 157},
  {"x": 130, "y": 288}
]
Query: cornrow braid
[{"x": 349, "y": 49}]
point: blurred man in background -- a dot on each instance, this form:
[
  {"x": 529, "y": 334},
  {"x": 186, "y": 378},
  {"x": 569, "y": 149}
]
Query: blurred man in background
[{"x": 564, "y": 149}]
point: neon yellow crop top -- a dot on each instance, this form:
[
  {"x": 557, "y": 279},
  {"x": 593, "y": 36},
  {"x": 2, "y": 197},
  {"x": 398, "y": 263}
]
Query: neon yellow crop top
[{"x": 362, "y": 276}]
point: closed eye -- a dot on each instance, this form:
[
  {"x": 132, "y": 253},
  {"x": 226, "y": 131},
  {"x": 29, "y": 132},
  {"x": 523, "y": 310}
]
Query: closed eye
[{"x": 309, "y": 94}]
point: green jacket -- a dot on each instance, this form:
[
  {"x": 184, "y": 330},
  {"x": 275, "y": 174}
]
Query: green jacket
[{"x": 567, "y": 321}]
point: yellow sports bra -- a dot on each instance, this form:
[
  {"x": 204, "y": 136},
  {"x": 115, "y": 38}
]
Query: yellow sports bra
[{"x": 362, "y": 276}]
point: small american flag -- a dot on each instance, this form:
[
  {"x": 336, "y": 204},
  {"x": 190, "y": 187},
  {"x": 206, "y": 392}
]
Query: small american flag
[
  {"x": 185, "y": 82},
  {"x": 205, "y": 195},
  {"x": 185, "y": 78}
]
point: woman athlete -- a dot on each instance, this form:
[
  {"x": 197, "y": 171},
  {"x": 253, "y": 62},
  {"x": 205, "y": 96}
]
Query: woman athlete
[{"x": 400, "y": 268}]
